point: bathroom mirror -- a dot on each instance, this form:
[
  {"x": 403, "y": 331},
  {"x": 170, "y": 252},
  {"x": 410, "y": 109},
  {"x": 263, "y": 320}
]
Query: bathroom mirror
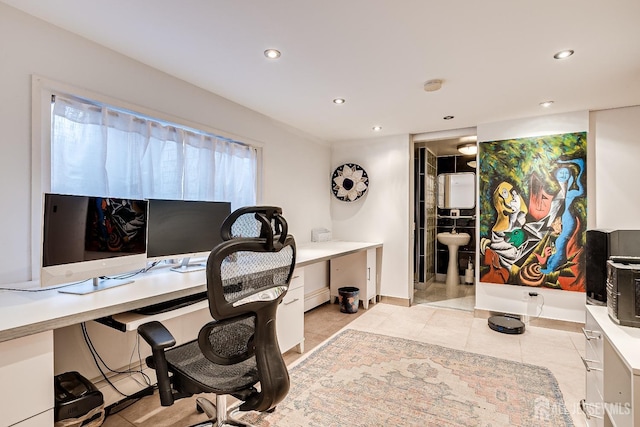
[{"x": 456, "y": 190}]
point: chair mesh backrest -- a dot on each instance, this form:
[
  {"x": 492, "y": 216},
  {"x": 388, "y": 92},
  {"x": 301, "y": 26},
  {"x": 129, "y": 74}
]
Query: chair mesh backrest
[
  {"x": 253, "y": 265},
  {"x": 256, "y": 221},
  {"x": 228, "y": 342},
  {"x": 245, "y": 273},
  {"x": 246, "y": 225}
]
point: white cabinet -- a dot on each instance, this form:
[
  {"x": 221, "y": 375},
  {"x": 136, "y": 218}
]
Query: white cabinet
[
  {"x": 372, "y": 276},
  {"x": 613, "y": 371},
  {"x": 26, "y": 375},
  {"x": 290, "y": 316},
  {"x": 355, "y": 270},
  {"x": 592, "y": 405}
]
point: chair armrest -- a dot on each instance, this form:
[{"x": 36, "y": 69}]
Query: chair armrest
[
  {"x": 159, "y": 338},
  {"x": 156, "y": 335}
]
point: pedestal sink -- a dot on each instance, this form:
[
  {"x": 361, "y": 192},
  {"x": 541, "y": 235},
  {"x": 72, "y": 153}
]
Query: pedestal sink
[{"x": 453, "y": 242}]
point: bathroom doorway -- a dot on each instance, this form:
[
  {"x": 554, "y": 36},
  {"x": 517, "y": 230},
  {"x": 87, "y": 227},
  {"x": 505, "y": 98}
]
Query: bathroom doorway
[{"x": 438, "y": 164}]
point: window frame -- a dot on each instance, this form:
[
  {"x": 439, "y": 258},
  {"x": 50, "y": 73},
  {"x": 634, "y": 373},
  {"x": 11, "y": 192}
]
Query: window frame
[{"x": 42, "y": 90}]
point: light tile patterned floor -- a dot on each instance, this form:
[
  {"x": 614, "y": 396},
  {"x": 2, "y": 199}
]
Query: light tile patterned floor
[
  {"x": 555, "y": 349},
  {"x": 438, "y": 294}
]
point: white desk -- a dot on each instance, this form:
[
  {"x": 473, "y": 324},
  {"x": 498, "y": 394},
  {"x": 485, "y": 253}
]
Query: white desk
[
  {"x": 27, "y": 322},
  {"x": 612, "y": 364}
]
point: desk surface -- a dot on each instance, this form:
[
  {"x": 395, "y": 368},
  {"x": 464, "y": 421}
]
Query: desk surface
[{"x": 26, "y": 313}]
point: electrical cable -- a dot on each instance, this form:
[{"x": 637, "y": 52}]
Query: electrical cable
[
  {"x": 540, "y": 307},
  {"x": 49, "y": 288},
  {"x": 96, "y": 356},
  {"x": 125, "y": 275},
  {"x": 146, "y": 378},
  {"x": 53, "y": 288}
]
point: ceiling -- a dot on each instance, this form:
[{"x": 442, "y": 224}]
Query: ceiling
[{"x": 495, "y": 57}]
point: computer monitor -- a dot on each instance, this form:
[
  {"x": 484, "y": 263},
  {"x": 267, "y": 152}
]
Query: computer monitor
[
  {"x": 184, "y": 229},
  {"x": 87, "y": 237}
]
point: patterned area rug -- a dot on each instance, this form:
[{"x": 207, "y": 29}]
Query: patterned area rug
[{"x": 363, "y": 379}]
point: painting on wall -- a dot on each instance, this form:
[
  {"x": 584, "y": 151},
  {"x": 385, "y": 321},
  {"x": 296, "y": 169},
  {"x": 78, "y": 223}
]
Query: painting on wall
[{"x": 533, "y": 211}]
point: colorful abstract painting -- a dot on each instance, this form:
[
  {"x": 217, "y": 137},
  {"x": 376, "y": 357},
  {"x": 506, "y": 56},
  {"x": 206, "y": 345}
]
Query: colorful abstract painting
[{"x": 533, "y": 211}]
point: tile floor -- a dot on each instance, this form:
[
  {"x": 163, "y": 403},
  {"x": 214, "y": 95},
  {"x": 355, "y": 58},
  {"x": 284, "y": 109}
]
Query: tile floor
[
  {"x": 558, "y": 350},
  {"x": 438, "y": 294}
]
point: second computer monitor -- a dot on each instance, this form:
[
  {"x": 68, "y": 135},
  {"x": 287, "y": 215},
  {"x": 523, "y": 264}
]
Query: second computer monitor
[{"x": 183, "y": 229}]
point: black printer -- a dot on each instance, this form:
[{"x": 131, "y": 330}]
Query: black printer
[
  {"x": 75, "y": 396},
  {"x": 623, "y": 290}
]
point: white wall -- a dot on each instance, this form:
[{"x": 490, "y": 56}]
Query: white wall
[
  {"x": 560, "y": 305},
  {"x": 617, "y": 165},
  {"x": 383, "y": 213},
  {"x": 29, "y": 46}
]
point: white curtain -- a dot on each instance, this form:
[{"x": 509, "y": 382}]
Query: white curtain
[{"x": 101, "y": 151}]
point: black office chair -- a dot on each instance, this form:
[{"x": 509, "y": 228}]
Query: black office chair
[{"x": 248, "y": 274}]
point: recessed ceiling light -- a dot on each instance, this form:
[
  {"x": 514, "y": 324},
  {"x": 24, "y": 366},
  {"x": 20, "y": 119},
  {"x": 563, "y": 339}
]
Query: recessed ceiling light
[
  {"x": 448, "y": 117},
  {"x": 377, "y": 128},
  {"x": 272, "y": 53},
  {"x": 339, "y": 101},
  {"x": 546, "y": 104},
  {"x": 563, "y": 54}
]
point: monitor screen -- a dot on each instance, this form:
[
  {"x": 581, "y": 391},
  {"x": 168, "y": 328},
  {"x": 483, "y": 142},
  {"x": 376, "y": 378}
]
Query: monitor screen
[
  {"x": 86, "y": 237},
  {"x": 183, "y": 228}
]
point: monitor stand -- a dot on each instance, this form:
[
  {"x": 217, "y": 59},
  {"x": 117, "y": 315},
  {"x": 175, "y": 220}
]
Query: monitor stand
[
  {"x": 185, "y": 267},
  {"x": 97, "y": 284}
]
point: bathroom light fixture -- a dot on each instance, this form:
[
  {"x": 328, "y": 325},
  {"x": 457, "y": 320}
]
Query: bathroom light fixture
[
  {"x": 563, "y": 54},
  {"x": 377, "y": 128},
  {"x": 468, "y": 149},
  {"x": 448, "y": 117},
  {"x": 272, "y": 53},
  {"x": 339, "y": 101},
  {"x": 546, "y": 104},
  {"x": 432, "y": 85}
]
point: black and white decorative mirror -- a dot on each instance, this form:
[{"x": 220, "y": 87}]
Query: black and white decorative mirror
[{"x": 349, "y": 182}]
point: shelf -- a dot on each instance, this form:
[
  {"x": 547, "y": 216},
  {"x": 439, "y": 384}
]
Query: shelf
[{"x": 129, "y": 321}]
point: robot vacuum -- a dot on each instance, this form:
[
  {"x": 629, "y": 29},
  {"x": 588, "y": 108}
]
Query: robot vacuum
[{"x": 506, "y": 325}]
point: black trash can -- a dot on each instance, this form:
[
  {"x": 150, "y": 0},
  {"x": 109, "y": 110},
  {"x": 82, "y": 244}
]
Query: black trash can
[{"x": 349, "y": 299}]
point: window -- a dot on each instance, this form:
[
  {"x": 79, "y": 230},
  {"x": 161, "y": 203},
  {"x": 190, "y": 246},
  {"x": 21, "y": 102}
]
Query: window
[{"x": 100, "y": 150}]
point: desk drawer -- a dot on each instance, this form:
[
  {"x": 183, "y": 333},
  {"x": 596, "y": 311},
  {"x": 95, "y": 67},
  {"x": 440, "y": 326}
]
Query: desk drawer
[
  {"x": 592, "y": 405},
  {"x": 297, "y": 279},
  {"x": 290, "y": 319},
  {"x": 26, "y": 375}
]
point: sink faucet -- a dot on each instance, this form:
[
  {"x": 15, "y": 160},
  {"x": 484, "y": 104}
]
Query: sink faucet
[{"x": 453, "y": 229}]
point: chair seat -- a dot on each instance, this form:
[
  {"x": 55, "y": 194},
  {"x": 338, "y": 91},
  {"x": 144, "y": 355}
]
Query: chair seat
[{"x": 188, "y": 360}]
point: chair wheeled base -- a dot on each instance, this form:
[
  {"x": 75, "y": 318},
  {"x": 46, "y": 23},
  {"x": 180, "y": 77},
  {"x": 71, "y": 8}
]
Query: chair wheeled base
[{"x": 219, "y": 415}]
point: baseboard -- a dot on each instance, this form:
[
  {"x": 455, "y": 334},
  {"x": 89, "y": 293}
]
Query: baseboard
[
  {"x": 561, "y": 325},
  {"x": 316, "y": 298},
  {"x": 403, "y": 302}
]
